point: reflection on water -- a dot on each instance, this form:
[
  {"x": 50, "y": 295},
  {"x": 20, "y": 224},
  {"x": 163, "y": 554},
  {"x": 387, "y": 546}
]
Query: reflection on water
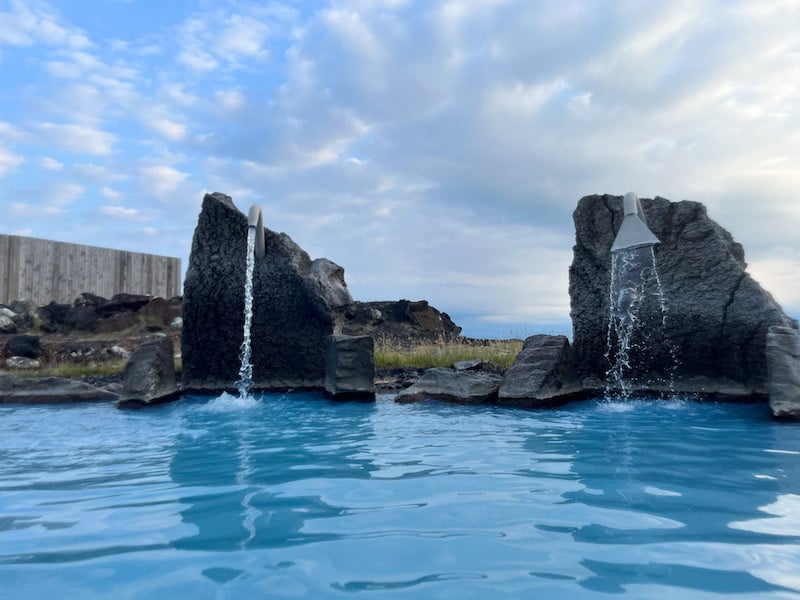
[
  {"x": 298, "y": 496},
  {"x": 229, "y": 469}
]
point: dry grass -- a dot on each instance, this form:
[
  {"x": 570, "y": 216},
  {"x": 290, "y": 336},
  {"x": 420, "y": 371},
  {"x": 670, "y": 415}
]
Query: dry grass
[
  {"x": 73, "y": 370},
  {"x": 500, "y": 352}
]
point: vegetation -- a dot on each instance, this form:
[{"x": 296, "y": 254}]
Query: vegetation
[
  {"x": 390, "y": 355},
  {"x": 74, "y": 370}
]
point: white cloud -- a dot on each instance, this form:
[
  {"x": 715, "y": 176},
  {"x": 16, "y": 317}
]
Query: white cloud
[
  {"x": 171, "y": 130},
  {"x": 230, "y": 100},
  {"x": 443, "y": 143},
  {"x": 242, "y": 36},
  {"x": 28, "y": 23},
  {"x": 51, "y": 164},
  {"x": 78, "y": 138},
  {"x": 119, "y": 211},
  {"x": 162, "y": 180},
  {"x": 110, "y": 193},
  {"x": 9, "y": 161}
]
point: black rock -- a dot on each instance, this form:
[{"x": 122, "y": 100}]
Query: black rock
[
  {"x": 28, "y": 346},
  {"x": 292, "y": 317},
  {"x": 717, "y": 316},
  {"x": 783, "y": 366},
  {"x": 149, "y": 376},
  {"x": 543, "y": 374}
]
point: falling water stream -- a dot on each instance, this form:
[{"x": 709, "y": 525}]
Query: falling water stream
[
  {"x": 637, "y": 342},
  {"x": 245, "y": 382}
]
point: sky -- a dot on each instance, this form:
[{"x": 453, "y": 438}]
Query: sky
[{"x": 435, "y": 149}]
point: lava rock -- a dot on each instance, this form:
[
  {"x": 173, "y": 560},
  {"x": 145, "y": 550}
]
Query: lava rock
[
  {"x": 7, "y": 325},
  {"x": 543, "y": 374},
  {"x": 149, "y": 376},
  {"x": 783, "y": 366},
  {"x": 717, "y": 315},
  {"x": 29, "y": 346},
  {"x": 291, "y": 319},
  {"x": 449, "y": 385},
  {"x": 350, "y": 367},
  {"x": 49, "y": 390}
]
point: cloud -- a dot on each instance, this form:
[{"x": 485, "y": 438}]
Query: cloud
[
  {"x": 161, "y": 180},
  {"x": 29, "y": 23},
  {"x": 78, "y": 138},
  {"x": 51, "y": 164},
  {"x": 434, "y": 149},
  {"x": 110, "y": 193},
  {"x": 119, "y": 211},
  {"x": 9, "y": 161}
]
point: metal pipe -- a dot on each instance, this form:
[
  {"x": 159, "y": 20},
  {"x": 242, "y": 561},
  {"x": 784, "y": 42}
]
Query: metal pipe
[
  {"x": 633, "y": 233},
  {"x": 254, "y": 219}
]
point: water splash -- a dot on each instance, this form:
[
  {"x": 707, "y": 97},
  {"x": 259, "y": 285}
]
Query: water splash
[
  {"x": 639, "y": 351},
  {"x": 245, "y": 382}
]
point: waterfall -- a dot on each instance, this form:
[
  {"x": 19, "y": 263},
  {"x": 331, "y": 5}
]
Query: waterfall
[
  {"x": 639, "y": 351},
  {"x": 245, "y": 382}
]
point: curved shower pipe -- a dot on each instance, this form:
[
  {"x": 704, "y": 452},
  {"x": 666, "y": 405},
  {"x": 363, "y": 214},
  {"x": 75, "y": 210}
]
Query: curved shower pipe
[{"x": 254, "y": 219}]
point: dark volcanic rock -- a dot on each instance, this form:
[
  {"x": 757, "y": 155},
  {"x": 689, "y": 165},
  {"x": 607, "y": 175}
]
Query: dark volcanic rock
[
  {"x": 49, "y": 390},
  {"x": 350, "y": 367},
  {"x": 717, "y": 315},
  {"x": 122, "y": 303},
  {"x": 449, "y": 385},
  {"x": 28, "y": 346},
  {"x": 544, "y": 373},
  {"x": 401, "y": 322},
  {"x": 783, "y": 366},
  {"x": 290, "y": 321},
  {"x": 149, "y": 376}
]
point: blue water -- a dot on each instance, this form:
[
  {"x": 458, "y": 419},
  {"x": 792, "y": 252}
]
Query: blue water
[{"x": 299, "y": 497}]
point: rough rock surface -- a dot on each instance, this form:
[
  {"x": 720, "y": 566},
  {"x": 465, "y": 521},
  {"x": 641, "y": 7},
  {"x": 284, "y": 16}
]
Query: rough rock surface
[
  {"x": 449, "y": 385},
  {"x": 7, "y": 324},
  {"x": 717, "y": 315},
  {"x": 783, "y": 365},
  {"x": 544, "y": 373},
  {"x": 290, "y": 318},
  {"x": 91, "y": 313},
  {"x": 49, "y": 390},
  {"x": 149, "y": 376},
  {"x": 400, "y": 323},
  {"x": 350, "y": 367},
  {"x": 28, "y": 346}
]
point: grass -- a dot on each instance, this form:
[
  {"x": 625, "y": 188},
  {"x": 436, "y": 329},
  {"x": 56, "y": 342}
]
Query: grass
[
  {"x": 74, "y": 370},
  {"x": 424, "y": 356}
]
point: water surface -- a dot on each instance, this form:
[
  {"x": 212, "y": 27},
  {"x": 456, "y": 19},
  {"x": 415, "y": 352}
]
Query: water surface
[{"x": 296, "y": 496}]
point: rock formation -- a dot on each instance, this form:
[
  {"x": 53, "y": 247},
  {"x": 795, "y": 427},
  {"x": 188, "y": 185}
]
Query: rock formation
[
  {"x": 717, "y": 315},
  {"x": 783, "y": 367},
  {"x": 297, "y": 305},
  {"x": 149, "y": 376},
  {"x": 49, "y": 390},
  {"x": 350, "y": 367},
  {"x": 543, "y": 374},
  {"x": 400, "y": 323},
  {"x": 476, "y": 385}
]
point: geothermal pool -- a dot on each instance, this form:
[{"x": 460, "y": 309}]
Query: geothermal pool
[{"x": 298, "y": 497}]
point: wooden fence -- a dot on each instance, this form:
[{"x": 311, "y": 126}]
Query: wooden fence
[{"x": 41, "y": 271}]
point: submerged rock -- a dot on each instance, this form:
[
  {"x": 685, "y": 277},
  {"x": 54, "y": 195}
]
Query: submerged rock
[
  {"x": 783, "y": 365},
  {"x": 49, "y": 390},
  {"x": 717, "y": 315},
  {"x": 543, "y": 374}
]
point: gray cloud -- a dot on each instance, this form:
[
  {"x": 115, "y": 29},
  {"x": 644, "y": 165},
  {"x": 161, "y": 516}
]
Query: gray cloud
[{"x": 434, "y": 149}]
